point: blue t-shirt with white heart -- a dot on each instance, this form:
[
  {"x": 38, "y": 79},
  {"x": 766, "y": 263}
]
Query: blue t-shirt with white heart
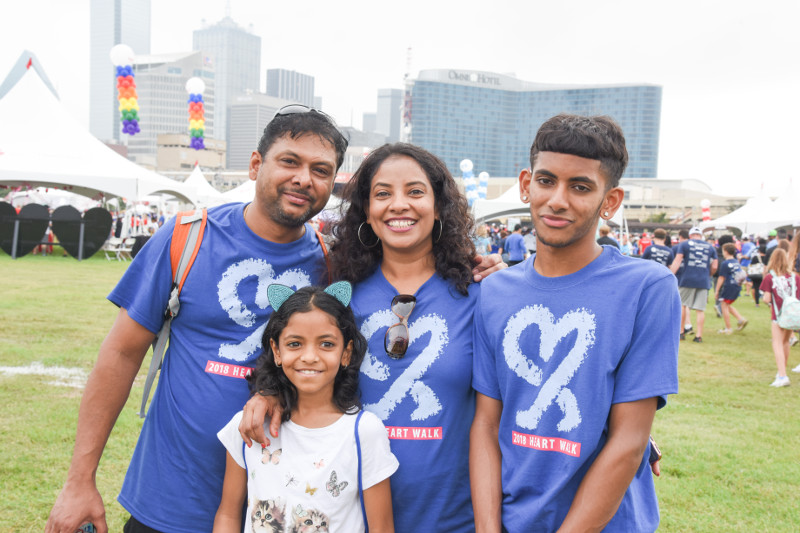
[
  {"x": 174, "y": 480},
  {"x": 425, "y": 399},
  {"x": 558, "y": 353}
]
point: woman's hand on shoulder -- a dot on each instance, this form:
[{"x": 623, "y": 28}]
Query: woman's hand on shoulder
[
  {"x": 485, "y": 265},
  {"x": 255, "y": 412}
]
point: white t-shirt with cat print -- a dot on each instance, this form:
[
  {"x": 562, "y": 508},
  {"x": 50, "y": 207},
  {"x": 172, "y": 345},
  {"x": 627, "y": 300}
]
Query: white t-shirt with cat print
[{"x": 306, "y": 480}]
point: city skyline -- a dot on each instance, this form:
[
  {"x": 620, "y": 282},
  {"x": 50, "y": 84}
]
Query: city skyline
[{"x": 729, "y": 98}]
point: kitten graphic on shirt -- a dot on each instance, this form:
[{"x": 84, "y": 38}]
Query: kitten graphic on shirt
[
  {"x": 267, "y": 516},
  {"x": 309, "y": 521}
]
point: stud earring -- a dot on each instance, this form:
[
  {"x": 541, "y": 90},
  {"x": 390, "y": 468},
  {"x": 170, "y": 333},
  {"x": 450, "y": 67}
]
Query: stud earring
[
  {"x": 524, "y": 198},
  {"x": 605, "y": 214}
]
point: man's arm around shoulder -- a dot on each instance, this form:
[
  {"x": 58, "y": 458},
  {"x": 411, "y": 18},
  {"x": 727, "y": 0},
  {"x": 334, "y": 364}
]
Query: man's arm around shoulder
[
  {"x": 485, "y": 464},
  {"x": 602, "y": 489},
  {"x": 121, "y": 355}
]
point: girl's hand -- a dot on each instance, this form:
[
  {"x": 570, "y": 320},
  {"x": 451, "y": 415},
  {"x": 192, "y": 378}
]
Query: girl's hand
[{"x": 255, "y": 412}]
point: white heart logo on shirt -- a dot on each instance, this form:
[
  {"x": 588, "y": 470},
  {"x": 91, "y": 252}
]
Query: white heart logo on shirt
[
  {"x": 551, "y": 333},
  {"x": 228, "y": 293},
  {"x": 410, "y": 381}
]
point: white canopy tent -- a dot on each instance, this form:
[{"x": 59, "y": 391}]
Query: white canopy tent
[
  {"x": 207, "y": 196},
  {"x": 42, "y": 144},
  {"x": 786, "y": 207},
  {"x": 52, "y": 198},
  {"x": 507, "y": 204},
  {"x": 756, "y": 216},
  {"x": 243, "y": 193}
]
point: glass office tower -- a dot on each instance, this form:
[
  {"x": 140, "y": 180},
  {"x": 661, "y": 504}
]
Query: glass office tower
[{"x": 492, "y": 119}]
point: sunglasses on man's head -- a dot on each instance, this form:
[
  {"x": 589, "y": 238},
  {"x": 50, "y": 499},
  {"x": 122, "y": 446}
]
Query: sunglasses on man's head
[
  {"x": 296, "y": 109},
  {"x": 395, "y": 342}
]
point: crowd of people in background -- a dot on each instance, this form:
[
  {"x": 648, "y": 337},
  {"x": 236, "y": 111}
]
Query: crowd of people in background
[{"x": 731, "y": 267}]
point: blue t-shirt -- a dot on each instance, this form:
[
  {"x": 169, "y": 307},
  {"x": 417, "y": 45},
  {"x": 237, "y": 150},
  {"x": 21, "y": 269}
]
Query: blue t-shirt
[
  {"x": 659, "y": 254},
  {"x": 515, "y": 247},
  {"x": 425, "y": 399},
  {"x": 556, "y": 353},
  {"x": 730, "y": 287},
  {"x": 174, "y": 481},
  {"x": 697, "y": 258},
  {"x": 747, "y": 248}
]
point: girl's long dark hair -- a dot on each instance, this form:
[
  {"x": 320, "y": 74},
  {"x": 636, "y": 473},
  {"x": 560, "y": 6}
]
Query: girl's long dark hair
[
  {"x": 268, "y": 379},
  {"x": 453, "y": 251}
]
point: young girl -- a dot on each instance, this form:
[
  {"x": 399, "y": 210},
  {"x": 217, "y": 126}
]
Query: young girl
[
  {"x": 309, "y": 478},
  {"x": 777, "y": 284}
]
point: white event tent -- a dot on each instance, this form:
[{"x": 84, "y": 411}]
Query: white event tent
[
  {"x": 207, "y": 196},
  {"x": 759, "y": 214},
  {"x": 786, "y": 207},
  {"x": 243, "y": 193},
  {"x": 506, "y": 204},
  {"x": 43, "y": 145}
]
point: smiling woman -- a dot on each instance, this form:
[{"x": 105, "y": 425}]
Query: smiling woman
[
  {"x": 405, "y": 242},
  {"x": 406, "y": 195}
]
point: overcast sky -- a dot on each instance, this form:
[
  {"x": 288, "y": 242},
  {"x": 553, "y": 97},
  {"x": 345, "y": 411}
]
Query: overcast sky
[{"x": 730, "y": 69}]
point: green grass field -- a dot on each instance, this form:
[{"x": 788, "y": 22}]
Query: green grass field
[{"x": 730, "y": 442}]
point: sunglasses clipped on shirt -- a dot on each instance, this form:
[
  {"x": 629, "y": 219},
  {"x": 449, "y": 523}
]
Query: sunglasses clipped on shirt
[{"x": 396, "y": 339}]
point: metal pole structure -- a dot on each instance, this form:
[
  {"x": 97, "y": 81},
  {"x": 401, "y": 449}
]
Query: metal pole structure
[
  {"x": 15, "y": 239},
  {"x": 80, "y": 242}
]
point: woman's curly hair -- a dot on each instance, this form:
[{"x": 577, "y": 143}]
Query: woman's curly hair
[
  {"x": 269, "y": 379},
  {"x": 453, "y": 251}
]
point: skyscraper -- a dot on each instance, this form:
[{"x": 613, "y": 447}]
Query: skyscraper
[
  {"x": 369, "y": 122},
  {"x": 112, "y": 23},
  {"x": 235, "y": 55},
  {"x": 492, "y": 119},
  {"x": 390, "y": 104},
  {"x": 249, "y": 114},
  {"x": 290, "y": 85}
]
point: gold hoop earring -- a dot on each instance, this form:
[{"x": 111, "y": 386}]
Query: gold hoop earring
[{"x": 358, "y": 234}]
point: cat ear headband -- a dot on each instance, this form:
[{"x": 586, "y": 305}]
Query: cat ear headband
[{"x": 277, "y": 293}]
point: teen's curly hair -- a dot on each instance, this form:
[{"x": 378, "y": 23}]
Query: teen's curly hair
[
  {"x": 453, "y": 251},
  {"x": 269, "y": 379}
]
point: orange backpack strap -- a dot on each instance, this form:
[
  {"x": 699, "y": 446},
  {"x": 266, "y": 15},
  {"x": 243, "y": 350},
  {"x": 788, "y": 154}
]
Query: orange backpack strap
[
  {"x": 186, "y": 239},
  {"x": 325, "y": 253}
]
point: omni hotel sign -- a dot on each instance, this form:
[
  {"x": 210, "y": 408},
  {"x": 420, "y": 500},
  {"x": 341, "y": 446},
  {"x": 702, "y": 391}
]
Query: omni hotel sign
[{"x": 474, "y": 77}]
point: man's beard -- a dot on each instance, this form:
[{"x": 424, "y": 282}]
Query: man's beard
[
  {"x": 280, "y": 216},
  {"x": 290, "y": 221}
]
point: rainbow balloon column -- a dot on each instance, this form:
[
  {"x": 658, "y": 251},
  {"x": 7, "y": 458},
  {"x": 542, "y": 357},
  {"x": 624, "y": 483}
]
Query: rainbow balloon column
[
  {"x": 122, "y": 58},
  {"x": 197, "y": 123}
]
